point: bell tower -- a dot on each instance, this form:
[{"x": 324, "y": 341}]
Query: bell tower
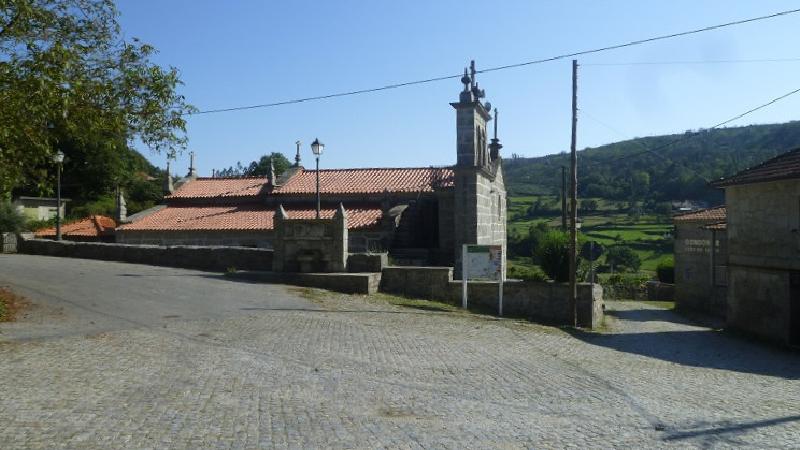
[
  {"x": 471, "y": 120},
  {"x": 479, "y": 195}
]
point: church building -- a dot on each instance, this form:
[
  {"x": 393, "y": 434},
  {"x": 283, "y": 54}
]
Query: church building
[{"x": 419, "y": 216}]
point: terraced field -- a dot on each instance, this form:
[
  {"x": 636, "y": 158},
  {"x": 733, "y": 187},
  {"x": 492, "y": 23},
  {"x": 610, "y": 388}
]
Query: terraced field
[{"x": 649, "y": 236}]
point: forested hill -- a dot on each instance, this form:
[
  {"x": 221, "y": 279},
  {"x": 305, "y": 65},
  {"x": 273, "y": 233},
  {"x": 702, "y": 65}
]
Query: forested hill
[{"x": 627, "y": 170}]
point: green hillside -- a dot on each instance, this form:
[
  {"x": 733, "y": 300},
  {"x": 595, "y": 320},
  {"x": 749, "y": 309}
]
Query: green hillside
[{"x": 632, "y": 170}]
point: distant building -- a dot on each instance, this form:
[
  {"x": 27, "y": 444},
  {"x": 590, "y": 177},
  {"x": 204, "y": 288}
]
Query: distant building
[
  {"x": 763, "y": 228},
  {"x": 40, "y": 208},
  {"x": 701, "y": 260},
  {"x": 89, "y": 229},
  {"x": 422, "y": 214}
]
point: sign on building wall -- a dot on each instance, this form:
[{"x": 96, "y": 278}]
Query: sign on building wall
[{"x": 482, "y": 263}]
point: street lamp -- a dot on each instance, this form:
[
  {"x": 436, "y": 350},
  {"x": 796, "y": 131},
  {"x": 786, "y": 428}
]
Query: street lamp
[
  {"x": 58, "y": 158},
  {"x": 317, "y": 147}
]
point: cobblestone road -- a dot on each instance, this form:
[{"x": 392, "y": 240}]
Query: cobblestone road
[{"x": 358, "y": 373}]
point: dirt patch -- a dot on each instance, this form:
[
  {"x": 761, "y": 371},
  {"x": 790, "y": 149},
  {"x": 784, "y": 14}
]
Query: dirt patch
[{"x": 10, "y": 304}]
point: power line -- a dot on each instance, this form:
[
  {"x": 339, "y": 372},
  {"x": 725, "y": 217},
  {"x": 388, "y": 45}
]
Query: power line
[
  {"x": 504, "y": 67},
  {"x": 712, "y": 61}
]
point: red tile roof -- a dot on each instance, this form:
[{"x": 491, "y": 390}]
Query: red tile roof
[
  {"x": 716, "y": 214},
  {"x": 781, "y": 167},
  {"x": 369, "y": 181},
  {"x": 220, "y": 188},
  {"x": 92, "y": 226},
  {"x": 332, "y": 182},
  {"x": 242, "y": 217}
]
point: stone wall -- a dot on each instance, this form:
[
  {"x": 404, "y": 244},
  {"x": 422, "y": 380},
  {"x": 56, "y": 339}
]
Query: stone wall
[
  {"x": 480, "y": 209},
  {"x": 539, "y": 301},
  {"x": 764, "y": 224},
  {"x": 8, "y": 243},
  {"x": 763, "y": 259},
  {"x": 367, "y": 262},
  {"x": 192, "y": 257},
  {"x": 696, "y": 285},
  {"x": 229, "y": 238}
]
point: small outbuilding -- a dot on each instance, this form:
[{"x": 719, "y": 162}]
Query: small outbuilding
[
  {"x": 701, "y": 260},
  {"x": 39, "y": 208}
]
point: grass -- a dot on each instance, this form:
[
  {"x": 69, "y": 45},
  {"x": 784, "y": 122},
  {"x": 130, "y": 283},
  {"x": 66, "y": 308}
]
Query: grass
[
  {"x": 661, "y": 304},
  {"x": 416, "y": 303},
  {"x": 312, "y": 294},
  {"x": 10, "y": 304}
]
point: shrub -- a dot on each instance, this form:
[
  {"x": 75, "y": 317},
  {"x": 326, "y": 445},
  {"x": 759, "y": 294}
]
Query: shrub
[
  {"x": 666, "y": 271},
  {"x": 35, "y": 225},
  {"x": 623, "y": 258},
  {"x": 553, "y": 255},
  {"x": 526, "y": 273},
  {"x": 10, "y": 219},
  {"x": 625, "y": 286}
]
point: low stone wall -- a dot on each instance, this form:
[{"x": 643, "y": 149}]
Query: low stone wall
[
  {"x": 657, "y": 291},
  {"x": 348, "y": 283},
  {"x": 539, "y": 301},
  {"x": 367, "y": 262},
  {"x": 191, "y": 257}
]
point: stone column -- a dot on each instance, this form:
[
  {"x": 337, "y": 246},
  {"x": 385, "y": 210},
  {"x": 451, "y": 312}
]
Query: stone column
[
  {"x": 339, "y": 257},
  {"x": 278, "y": 242}
]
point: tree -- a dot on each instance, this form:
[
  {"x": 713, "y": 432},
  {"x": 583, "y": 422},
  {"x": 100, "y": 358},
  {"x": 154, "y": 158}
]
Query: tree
[
  {"x": 260, "y": 168},
  {"x": 623, "y": 258},
  {"x": 69, "y": 79},
  {"x": 589, "y": 205},
  {"x": 10, "y": 219}
]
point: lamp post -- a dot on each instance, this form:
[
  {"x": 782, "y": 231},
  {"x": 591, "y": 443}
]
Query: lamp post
[
  {"x": 317, "y": 147},
  {"x": 58, "y": 158}
]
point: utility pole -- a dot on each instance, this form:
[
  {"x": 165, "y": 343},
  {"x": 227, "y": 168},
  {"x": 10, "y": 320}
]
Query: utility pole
[
  {"x": 564, "y": 198},
  {"x": 573, "y": 213}
]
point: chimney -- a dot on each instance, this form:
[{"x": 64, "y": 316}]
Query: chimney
[
  {"x": 271, "y": 173},
  {"x": 192, "y": 170},
  {"x": 297, "y": 155},
  {"x": 169, "y": 188}
]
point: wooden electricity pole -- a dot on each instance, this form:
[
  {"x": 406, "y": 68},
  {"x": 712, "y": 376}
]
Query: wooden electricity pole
[
  {"x": 573, "y": 200},
  {"x": 564, "y": 198}
]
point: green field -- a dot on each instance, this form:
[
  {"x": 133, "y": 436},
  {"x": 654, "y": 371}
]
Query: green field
[{"x": 649, "y": 236}]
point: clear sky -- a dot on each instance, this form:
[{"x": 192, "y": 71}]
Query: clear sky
[{"x": 237, "y": 52}]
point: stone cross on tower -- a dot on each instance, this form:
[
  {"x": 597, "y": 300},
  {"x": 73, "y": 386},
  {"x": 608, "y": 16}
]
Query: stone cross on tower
[{"x": 495, "y": 145}]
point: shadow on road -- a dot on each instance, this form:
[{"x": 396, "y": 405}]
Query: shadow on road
[
  {"x": 725, "y": 432},
  {"x": 650, "y": 315},
  {"x": 702, "y": 348}
]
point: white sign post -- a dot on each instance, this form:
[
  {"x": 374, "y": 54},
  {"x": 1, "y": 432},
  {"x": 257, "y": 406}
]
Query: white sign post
[{"x": 485, "y": 263}]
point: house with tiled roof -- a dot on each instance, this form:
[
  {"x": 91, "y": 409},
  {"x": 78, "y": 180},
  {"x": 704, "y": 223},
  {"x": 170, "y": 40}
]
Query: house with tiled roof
[
  {"x": 763, "y": 242},
  {"x": 701, "y": 260},
  {"x": 94, "y": 228},
  {"x": 422, "y": 213}
]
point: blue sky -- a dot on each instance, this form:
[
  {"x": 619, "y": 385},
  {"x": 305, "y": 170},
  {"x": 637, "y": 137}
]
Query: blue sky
[{"x": 233, "y": 53}]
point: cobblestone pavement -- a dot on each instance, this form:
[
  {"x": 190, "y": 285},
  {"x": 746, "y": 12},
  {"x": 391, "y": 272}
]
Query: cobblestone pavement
[{"x": 360, "y": 373}]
